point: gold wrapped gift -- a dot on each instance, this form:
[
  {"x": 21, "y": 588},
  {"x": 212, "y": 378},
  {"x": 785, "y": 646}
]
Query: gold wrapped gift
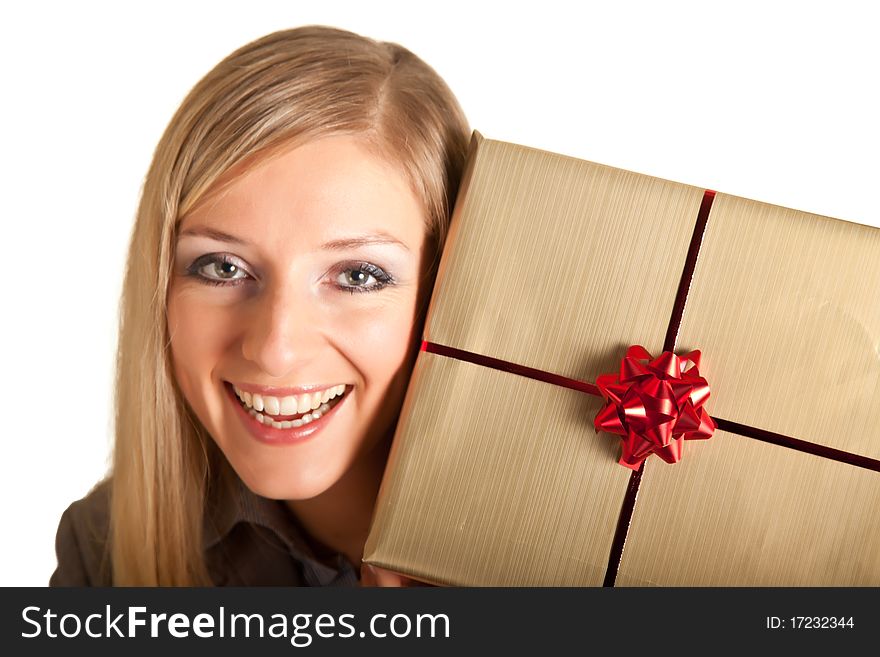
[{"x": 558, "y": 264}]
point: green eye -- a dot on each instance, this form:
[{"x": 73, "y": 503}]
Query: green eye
[
  {"x": 224, "y": 269},
  {"x": 217, "y": 269},
  {"x": 363, "y": 277},
  {"x": 356, "y": 277}
]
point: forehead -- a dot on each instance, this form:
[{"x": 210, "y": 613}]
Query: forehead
[{"x": 328, "y": 188}]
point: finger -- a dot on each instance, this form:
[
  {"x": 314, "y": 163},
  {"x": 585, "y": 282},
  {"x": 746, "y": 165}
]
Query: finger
[
  {"x": 375, "y": 576},
  {"x": 368, "y": 576}
]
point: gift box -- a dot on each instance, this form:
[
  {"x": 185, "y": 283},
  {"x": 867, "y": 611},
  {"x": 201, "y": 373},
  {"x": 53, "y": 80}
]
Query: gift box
[{"x": 554, "y": 267}]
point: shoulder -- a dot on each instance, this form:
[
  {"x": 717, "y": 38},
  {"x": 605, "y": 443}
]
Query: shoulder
[{"x": 81, "y": 543}]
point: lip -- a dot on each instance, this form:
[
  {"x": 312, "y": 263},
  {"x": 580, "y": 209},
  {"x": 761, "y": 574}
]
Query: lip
[
  {"x": 281, "y": 392},
  {"x": 272, "y": 436}
]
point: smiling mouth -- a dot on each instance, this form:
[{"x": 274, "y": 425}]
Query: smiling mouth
[{"x": 293, "y": 411}]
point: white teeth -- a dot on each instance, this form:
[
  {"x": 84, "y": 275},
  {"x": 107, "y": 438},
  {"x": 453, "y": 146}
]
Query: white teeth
[
  {"x": 292, "y": 404},
  {"x": 324, "y": 408},
  {"x": 271, "y": 405},
  {"x": 286, "y": 424},
  {"x": 288, "y": 406}
]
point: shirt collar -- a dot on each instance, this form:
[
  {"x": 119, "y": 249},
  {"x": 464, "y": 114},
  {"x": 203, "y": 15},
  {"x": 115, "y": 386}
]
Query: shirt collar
[{"x": 230, "y": 502}]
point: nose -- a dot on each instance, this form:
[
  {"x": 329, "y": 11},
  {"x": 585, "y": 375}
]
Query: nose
[{"x": 281, "y": 332}]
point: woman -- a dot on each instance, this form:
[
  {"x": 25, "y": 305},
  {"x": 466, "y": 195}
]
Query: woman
[{"x": 278, "y": 274}]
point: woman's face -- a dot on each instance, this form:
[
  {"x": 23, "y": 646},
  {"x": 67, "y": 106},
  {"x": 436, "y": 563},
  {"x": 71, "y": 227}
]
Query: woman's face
[{"x": 292, "y": 310}]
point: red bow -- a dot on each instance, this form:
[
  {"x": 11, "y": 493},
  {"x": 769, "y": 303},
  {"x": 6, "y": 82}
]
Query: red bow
[{"x": 654, "y": 406}]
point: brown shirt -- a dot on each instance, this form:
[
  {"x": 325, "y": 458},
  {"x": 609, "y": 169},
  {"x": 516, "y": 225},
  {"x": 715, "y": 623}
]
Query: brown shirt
[{"x": 248, "y": 540}]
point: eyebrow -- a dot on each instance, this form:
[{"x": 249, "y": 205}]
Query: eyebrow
[
  {"x": 212, "y": 233},
  {"x": 333, "y": 245}
]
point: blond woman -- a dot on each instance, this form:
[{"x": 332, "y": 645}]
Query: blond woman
[{"x": 277, "y": 277}]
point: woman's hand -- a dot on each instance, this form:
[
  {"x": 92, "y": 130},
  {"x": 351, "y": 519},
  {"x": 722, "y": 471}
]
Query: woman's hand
[{"x": 375, "y": 576}]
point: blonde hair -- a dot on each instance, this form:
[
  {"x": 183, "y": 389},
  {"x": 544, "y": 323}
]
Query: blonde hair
[{"x": 287, "y": 87}]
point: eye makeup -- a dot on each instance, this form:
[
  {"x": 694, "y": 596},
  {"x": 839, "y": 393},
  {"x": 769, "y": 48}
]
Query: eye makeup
[
  {"x": 368, "y": 270},
  {"x": 223, "y": 269},
  {"x": 227, "y": 270}
]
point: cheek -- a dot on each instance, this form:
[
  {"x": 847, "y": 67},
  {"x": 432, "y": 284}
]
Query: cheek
[
  {"x": 199, "y": 335},
  {"x": 379, "y": 342}
]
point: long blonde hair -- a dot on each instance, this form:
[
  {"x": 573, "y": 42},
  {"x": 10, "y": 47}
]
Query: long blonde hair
[{"x": 292, "y": 85}]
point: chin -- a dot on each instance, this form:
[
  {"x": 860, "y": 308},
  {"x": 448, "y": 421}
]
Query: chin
[{"x": 286, "y": 485}]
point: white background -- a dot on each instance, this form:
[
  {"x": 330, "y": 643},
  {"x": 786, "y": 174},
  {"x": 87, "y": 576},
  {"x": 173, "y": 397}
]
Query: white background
[{"x": 775, "y": 101}]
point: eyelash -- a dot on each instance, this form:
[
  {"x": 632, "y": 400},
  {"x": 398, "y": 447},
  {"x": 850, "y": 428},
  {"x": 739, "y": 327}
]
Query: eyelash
[{"x": 381, "y": 277}]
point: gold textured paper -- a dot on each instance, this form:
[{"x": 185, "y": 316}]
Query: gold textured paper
[
  {"x": 561, "y": 264},
  {"x": 534, "y": 273},
  {"x": 739, "y": 512},
  {"x": 786, "y": 308},
  {"x": 497, "y": 480}
]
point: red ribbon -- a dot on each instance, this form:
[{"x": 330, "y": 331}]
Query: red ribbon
[{"x": 655, "y": 406}]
